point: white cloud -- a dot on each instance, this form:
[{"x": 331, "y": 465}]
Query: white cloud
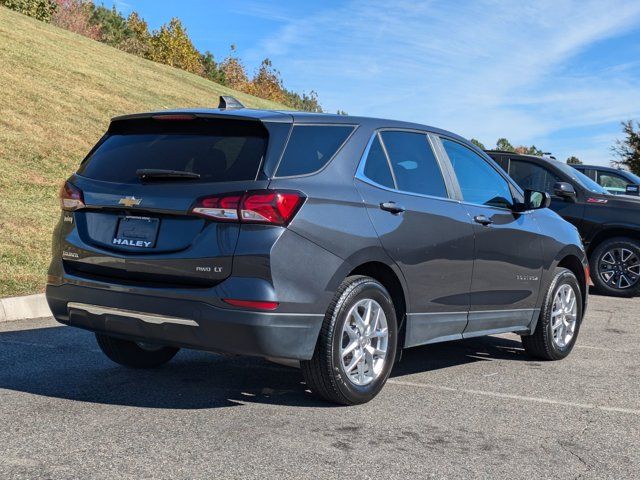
[{"x": 484, "y": 69}]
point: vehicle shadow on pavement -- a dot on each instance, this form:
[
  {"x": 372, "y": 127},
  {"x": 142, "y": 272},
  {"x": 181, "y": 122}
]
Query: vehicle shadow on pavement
[{"x": 66, "y": 363}]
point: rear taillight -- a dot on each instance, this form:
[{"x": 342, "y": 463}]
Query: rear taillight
[
  {"x": 71, "y": 197},
  {"x": 221, "y": 208},
  {"x": 271, "y": 207}
]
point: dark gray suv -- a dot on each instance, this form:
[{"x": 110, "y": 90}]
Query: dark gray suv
[{"x": 332, "y": 241}]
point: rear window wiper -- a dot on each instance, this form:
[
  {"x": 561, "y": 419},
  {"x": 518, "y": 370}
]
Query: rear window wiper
[{"x": 156, "y": 173}]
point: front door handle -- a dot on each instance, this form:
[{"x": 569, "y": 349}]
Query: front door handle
[
  {"x": 482, "y": 220},
  {"x": 392, "y": 207}
]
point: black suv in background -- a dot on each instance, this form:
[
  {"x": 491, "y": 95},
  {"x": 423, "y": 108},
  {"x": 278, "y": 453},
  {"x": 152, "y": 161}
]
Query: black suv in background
[
  {"x": 331, "y": 240},
  {"x": 614, "y": 180},
  {"x": 609, "y": 224}
]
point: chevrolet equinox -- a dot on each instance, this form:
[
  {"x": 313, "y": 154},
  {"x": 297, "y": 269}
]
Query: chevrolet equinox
[{"x": 328, "y": 241}]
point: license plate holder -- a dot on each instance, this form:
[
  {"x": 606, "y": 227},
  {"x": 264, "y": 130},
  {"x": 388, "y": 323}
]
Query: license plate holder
[{"x": 137, "y": 232}]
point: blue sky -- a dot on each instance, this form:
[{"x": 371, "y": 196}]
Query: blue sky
[{"x": 558, "y": 74}]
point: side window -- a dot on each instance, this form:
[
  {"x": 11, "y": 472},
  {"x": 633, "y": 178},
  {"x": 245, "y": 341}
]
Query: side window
[
  {"x": 503, "y": 162},
  {"x": 480, "y": 182},
  {"x": 310, "y": 147},
  {"x": 612, "y": 180},
  {"x": 414, "y": 164},
  {"x": 377, "y": 166},
  {"x": 533, "y": 177}
]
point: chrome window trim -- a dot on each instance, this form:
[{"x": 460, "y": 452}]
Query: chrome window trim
[
  {"x": 359, "y": 175},
  {"x": 354, "y": 127}
]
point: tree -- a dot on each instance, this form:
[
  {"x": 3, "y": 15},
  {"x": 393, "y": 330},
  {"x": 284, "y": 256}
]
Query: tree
[
  {"x": 114, "y": 29},
  {"x": 307, "y": 102},
  {"x": 39, "y": 9},
  {"x": 172, "y": 46},
  {"x": 478, "y": 144},
  {"x": 266, "y": 83},
  {"x": 574, "y": 160},
  {"x": 234, "y": 71},
  {"x": 532, "y": 150},
  {"x": 139, "y": 42},
  {"x": 75, "y": 16},
  {"x": 628, "y": 149},
  {"x": 211, "y": 70},
  {"x": 504, "y": 145}
]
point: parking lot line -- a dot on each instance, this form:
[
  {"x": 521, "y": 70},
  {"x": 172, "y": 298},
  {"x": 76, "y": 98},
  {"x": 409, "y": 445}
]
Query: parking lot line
[{"x": 549, "y": 401}]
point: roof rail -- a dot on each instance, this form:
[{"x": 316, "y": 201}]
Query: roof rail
[{"x": 229, "y": 103}]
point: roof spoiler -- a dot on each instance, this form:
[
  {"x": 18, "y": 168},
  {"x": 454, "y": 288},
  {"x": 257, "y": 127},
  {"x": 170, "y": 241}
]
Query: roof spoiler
[{"x": 229, "y": 103}]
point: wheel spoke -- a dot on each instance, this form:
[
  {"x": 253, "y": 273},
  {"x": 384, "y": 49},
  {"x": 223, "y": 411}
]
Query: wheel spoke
[
  {"x": 358, "y": 319},
  {"x": 354, "y": 362},
  {"x": 376, "y": 321},
  {"x": 361, "y": 370},
  {"x": 367, "y": 314},
  {"x": 349, "y": 348},
  {"x": 382, "y": 333},
  {"x": 351, "y": 332}
]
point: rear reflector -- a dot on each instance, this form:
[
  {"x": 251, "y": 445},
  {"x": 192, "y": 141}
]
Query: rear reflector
[
  {"x": 260, "y": 305},
  {"x": 71, "y": 197},
  {"x": 271, "y": 207}
]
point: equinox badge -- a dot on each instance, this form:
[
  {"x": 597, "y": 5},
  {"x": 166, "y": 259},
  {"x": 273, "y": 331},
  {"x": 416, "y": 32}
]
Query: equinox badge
[{"x": 130, "y": 201}]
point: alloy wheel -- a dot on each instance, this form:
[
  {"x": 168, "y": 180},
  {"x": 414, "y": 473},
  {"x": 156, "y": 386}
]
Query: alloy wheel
[
  {"x": 564, "y": 316},
  {"x": 364, "y": 342},
  {"x": 619, "y": 268}
]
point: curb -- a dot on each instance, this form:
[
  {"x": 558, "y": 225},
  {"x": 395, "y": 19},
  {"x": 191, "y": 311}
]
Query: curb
[{"x": 23, "y": 308}]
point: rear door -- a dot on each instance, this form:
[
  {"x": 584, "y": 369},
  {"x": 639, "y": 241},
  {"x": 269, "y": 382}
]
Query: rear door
[
  {"x": 141, "y": 229},
  {"x": 613, "y": 182},
  {"x": 508, "y": 246},
  {"x": 422, "y": 229}
]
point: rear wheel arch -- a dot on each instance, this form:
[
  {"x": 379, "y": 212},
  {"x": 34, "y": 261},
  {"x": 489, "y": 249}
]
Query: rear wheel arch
[{"x": 612, "y": 232}]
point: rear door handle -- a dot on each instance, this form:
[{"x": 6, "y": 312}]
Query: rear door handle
[
  {"x": 392, "y": 207},
  {"x": 482, "y": 220}
]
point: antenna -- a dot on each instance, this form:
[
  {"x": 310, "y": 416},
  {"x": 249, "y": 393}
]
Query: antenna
[{"x": 229, "y": 103}]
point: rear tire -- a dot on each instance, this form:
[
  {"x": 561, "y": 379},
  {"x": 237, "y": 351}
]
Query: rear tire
[
  {"x": 610, "y": 259},
  {"x": 134, "y": 355},
  {"x": 558, "y": 327},
  {"x": 348, "y": 366}
]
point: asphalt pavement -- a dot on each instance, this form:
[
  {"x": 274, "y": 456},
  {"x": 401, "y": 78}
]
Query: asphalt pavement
[{"x": 478, "y": 408}]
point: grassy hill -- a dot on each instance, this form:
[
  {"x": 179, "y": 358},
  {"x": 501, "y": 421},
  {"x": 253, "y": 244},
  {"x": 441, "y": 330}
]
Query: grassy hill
[{"x": 58, "y": 91}]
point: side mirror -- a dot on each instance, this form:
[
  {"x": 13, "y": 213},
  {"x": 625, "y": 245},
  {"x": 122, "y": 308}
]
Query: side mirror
[
  {"x": 632, "y": 189},
  {"x": 535, "y": 200},
  {"x": 564, "y": 190}
]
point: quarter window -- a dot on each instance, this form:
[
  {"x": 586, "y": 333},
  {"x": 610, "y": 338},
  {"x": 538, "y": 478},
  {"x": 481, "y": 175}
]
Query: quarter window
[
  {"x": 310, "y": 147},
  {"x": 480, "y": 182},
  {"x": 414, "y": 164},
  {"x": 532, "y": 177},
  {"x": 377, "y": 166}
]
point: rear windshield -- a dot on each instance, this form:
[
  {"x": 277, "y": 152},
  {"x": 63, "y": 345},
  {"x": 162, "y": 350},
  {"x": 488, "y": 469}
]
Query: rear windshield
[
  {"x": 310, "y": 147},
  {"x": 218, "y": 151}
]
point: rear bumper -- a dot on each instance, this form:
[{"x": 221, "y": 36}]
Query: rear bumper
[{"x": 186, "y": 323}]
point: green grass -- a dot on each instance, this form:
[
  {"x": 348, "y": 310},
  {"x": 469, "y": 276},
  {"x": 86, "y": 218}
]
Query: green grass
[{"x": 58, "y": 91}]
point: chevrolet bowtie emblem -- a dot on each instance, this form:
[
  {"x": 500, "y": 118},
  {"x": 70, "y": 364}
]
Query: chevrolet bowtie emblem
[{"x": 130, "y": 201}]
